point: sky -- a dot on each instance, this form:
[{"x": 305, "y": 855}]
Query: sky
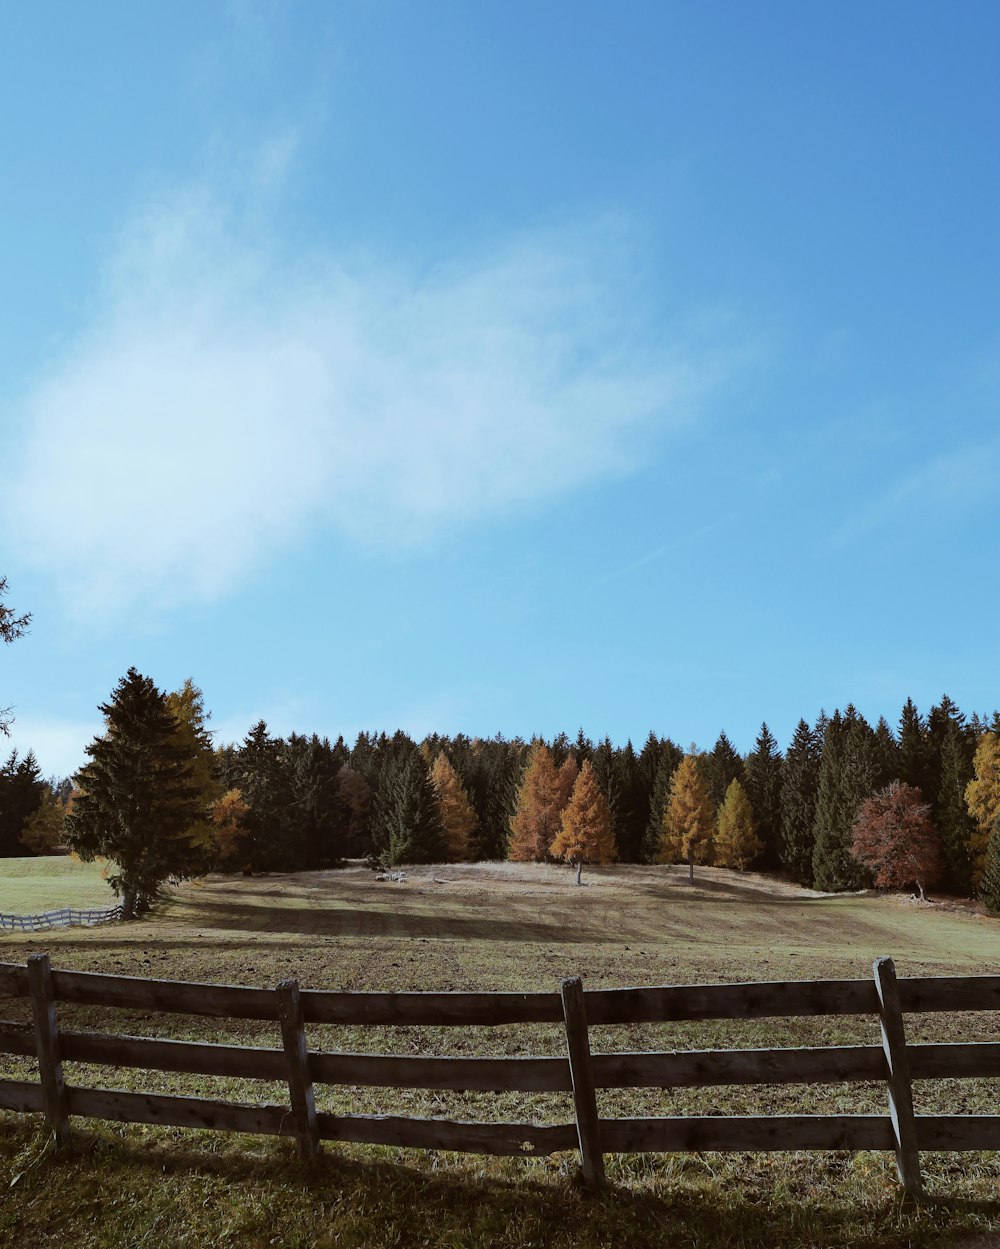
[{"x": 499, "y": 368}]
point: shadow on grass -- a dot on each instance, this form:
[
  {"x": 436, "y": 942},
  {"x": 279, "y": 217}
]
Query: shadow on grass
[{"x": 240, "y": 1190}]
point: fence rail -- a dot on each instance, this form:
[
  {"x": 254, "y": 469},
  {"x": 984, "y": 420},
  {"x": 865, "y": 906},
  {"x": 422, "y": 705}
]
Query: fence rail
[
  {"x": 65, "y": 918},
  {"x": 579, "y": 1071}
]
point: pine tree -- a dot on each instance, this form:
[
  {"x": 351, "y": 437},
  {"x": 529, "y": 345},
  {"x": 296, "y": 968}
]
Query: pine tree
[
  {"x": 688, "y": 820},
  {"x": 633, "y": 805},
  {"x": 356, "y": 796},
  {"x": 585, "y": 833},
  {"x": 723, "y": 765},
  {"x": 137, "y": 798},
  {"x": 415, "y": 834},
  {"x": 763, "y": 787},
  {"x": 736, "y": 842},
  {"x": 320, "y": 815},
  {"x": 799, "y": 793},
  {"x": 958, "y": 828},
  {"x": 535, "y": 821},
  {"x": 259, "y": 773},
  {"x": 187, "y": 705},
  {"x": 846, "y": 778},
  {"x": 913, "y": 749},
  {"x": 668, "y": 760},
  {"x": 982, "y": 797},
  {"x": 22, "y": 792},
  {"x": 888, "y": 758},
  {"x": 458, "y": 820}
]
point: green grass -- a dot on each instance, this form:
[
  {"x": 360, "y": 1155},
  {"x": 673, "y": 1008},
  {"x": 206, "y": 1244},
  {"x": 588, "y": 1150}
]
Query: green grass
[
  {"x": 31, "y": 886},
  {"x": 500, "y": 928}
]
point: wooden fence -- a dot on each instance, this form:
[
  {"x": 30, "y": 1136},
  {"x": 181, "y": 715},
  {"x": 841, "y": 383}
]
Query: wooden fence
[
  {"x": 67, "y": 917},
  {"x": 580, "y": 1072}
]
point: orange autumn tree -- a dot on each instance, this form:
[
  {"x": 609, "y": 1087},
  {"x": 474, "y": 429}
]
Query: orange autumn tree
[
  {"x": 228, "y": 815},
  {"x": 982, "y": 797},
  {"x": 535, "y": 821},
  {"x": 458, "y": 820},
  {"x": 895, "y": 838},
  {"x": 585, "y": 834},
  {"x": 566, "y": 779},
  {"x": 688, "y": 818}
]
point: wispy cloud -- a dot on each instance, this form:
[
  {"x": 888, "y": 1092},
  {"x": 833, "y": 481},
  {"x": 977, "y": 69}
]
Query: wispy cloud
[
  {"x": 943, "y": 488},
  {"x": 58, "y": 744},
  {"x": 228, "y": 399}
]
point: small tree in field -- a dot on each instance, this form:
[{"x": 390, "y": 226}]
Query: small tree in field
[
  {"x": 585, "y": 835},
  {"x": 736, "y": 840},
  {"x": 688, "y": 819},
  {"x": 894, "y": 837}
]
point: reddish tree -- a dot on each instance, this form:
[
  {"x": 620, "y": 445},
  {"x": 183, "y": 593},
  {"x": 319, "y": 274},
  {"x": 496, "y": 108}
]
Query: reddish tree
[{"x": 895, "y": 838}]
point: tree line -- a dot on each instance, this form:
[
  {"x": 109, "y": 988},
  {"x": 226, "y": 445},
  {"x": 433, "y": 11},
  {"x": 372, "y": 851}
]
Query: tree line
[{"x": 847, "y": 805}]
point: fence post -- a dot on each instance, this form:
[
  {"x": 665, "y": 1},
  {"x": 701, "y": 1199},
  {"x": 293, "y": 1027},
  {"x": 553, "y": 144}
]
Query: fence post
[
  {"x": 588, "y": 1124},
  {"x": 300, "y": 1088},
  {"x": 43, "y": 1007},
  {"x": 904, "y": 1125}
]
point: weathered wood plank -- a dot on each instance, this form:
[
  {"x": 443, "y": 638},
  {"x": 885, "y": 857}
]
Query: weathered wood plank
[
  {"x": 193, "y": 1057},
  {"x": 588, "y": 1123},
  {"x": 755, "y": 1000},
  {"x": 13, "y": 980},
  {"x": 432, "y": 1009},
  {"x": 958, "y": 1131},
  {"x": 759, "y": 1133},
  {"x": 300, "y": 1088},
  {"x": 948, "y": 993},
  {"x": 179, "y": 1112},
  {"x": 524, "y": 1139},
  {"x": 43, "y": 1009},
  {"x": 960, "y": 1060},
  {"x": 900, "y": 1091},
  {"x": 174, "y": 996},
  {"x": 21, "y": 1095},
  {"x": 17, "y": 1038},
  {"x": 529, "y": 1075},
  {"x": 708, "y": 1068}
]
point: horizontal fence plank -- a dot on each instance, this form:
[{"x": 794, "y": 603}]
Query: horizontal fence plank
[
  {"x": 754, "y": 1000},
  {"x": 21, "y": 1095},
  {"x": 958, "y": 1131},
  {"x": 89, "y": 988},
  {"x": 946, "y": 993},
  {"x": 179, "y": 1112},
  {"x": 707, "y": 1068},
  {"x": 524, "y": 1075},
  {"x": 955, "y": 1061},
  {"x": 758, "y": 1133},
  {"x": 193, "y": 1057},
  {"x": 524, "y": 1139},
  {"x": 433, "y": 1009}
]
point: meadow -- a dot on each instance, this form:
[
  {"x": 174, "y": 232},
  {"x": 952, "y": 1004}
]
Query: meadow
[{"x": 500, "y": 927}]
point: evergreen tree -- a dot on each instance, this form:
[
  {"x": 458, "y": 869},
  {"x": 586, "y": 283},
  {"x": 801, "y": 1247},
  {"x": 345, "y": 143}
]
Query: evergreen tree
[
  {"x": 799, "y": 793},
  {"x": 583, "y": 747},
  {"x": 736, "y": 842},
  {"x": 723, "y": 765},
  {"x": 888, "y": 758},
  {"x": 22, "y": 792},
  {"x": 415, "y": 834},
  {"x": 668, "y": 760},
  {"x": 42, "y": 832},
  {"x": 585, "y": 833},
  {"x": 913, "y": 749},
  {"x": 259, "y": 773},
  {"x": 688, "y": 820},
  {"x": 187, "y": 705},
  {"x": 356, "y": 796},
  {"x": 320, "y": 815},
  {"x": 951, "y": 815},
  {"x": 763, "y": 787},
  {"x": 847, "y": 777},
  {"x": 455, "y": 813},
  {"x": 137, "y": 798},
  {"x": 633, "y": 805}
]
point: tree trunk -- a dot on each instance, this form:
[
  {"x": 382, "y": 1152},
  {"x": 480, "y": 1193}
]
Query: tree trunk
[
  {"x": 691, "y": 866},
  {"x": 579, "y": 869},
  {"x": 128, "y": 904},
  {"x": 920, "y": 888}
]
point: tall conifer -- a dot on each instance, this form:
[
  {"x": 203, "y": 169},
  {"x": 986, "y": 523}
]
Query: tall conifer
[
  {"x": 762, "y": 781},
  {"x": 799, "y": 794}
]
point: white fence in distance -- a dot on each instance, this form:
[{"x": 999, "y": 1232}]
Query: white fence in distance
[{"x": 66, "y": 918}]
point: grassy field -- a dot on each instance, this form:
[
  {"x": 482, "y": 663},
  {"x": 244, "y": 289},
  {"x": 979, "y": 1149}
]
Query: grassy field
[
  {"x": 500, "y": 926},
  {"x": 32, "y": 886}
]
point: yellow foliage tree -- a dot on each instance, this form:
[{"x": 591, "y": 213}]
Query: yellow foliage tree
[
  {"x": 566, "y": 779},
  {"x": 736, "y": 840},
  {"x": 42, "y": 831},
  {"x": 688, "y": 818},
  {"x": 982, "y": 797},
  {"x": 458, "y": 820},
  {"x": 585, "y": 834},
  {"x": 535, "y": 821},
  {"x": 188, "y": 707},
  {"x": 228, "y": 816}
]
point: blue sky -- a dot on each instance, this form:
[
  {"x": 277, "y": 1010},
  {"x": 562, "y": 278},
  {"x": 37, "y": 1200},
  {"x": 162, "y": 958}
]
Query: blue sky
[{"x": 502, "y": 367}]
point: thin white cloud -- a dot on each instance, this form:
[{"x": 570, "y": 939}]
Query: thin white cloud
[
  {"x": 942, "y": 489},
  {"x": 58, "y": 744},
  {"x": 226, "y": 401}
]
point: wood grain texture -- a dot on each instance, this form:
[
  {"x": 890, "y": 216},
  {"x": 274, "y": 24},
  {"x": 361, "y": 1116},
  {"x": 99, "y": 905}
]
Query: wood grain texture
[
  {"x": 898, "y": 1071},
  {"x": 180, "y": 1112},
  {"x": 528, "y": 1075},
  {"x": 759, "y": 1000},
  {"x": 708, "y": 1068},
  {"x": 588, "y": 1122},
  {"x": 300, "y": 1088},
  {"x": 758, "y": 1133},
  {"x": 43, "y": 1009}
]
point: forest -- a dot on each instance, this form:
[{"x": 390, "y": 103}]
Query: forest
[{"x": 847, "y": 806}]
